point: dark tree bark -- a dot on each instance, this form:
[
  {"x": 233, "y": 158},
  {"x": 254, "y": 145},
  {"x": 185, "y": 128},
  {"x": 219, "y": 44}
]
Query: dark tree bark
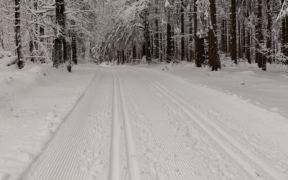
[
  {"x": 156, "y": 38},
  {"x": 223, "y": 37},
  {"x": 199, "y": 42},
  {"x": 60, "y": 35},
  {"x": 283, "y": 30},
  {"x": 233, "y": 32},
  {"x": 74, "y": 47},
  {"x": 147, "y": 36},
  {"x": 239, "y": 40},
  {"x": 169, "y": 42},
  {"x": 123, "y": 57},
  {"x": 269, "y": 37},
  {"x": 214, "y": 60},
  {"x": 20, "y": 60},
  {"x": 191, "y": 34},
  {"x": 182, "y": 32},
  {"x": 134, "y": 52},
  {"x": 32, "y": 43},
  {"x": 259, "y": 35}
]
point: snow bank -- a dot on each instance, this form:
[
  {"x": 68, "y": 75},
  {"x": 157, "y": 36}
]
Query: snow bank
[{"x": 34, "y": 102}]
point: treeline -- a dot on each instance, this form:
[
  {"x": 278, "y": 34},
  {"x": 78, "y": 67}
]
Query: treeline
[
  {"x": 202, "y": 31},
  {"x": 45, "y": 31}
]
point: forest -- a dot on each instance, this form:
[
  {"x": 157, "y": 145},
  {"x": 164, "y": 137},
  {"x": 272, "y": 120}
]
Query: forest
[
  {"x": 201, "y": 31},
  {"x": 143, "y": 89}
]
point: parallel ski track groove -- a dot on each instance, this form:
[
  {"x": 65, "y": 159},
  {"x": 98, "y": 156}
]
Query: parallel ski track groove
[
  {"x": 120, "y": 112},
  {"x": 172, "y": 149},
  {"x": 65, "y": 118},
  {"x": 214, "y": 131},
  {"x": 130, "y": 149}
]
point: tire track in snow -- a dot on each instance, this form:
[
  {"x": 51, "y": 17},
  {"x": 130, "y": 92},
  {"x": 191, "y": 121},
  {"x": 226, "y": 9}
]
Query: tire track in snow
[
  {"x": 120, "y": 114},
  {"x": 252, "y": 165}
]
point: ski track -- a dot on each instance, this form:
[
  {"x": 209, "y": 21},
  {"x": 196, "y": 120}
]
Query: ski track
[
  {"x": 130, "y": 126},
  {"x": 120, "y": 114},
  {"x": 166, "y": 154},
  {"x": 254, "y": 166},
  {"x": 67, "y": 155}
]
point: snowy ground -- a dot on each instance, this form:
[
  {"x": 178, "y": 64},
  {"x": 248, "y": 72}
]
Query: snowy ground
[{"x": 143, "y": 123}]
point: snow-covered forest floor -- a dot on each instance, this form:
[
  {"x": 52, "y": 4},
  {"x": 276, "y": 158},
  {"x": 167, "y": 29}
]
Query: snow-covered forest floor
[{"x": 155, "y": 122}]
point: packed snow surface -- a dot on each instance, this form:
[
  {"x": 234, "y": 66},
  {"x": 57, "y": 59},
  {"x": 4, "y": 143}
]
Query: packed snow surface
[{"x": 156, "y": 122}]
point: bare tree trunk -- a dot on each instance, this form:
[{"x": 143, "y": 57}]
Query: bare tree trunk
[
  {"x": 223, "y": 37},
  {"x": 233, "y": 32},
  {"x": 214, "y": 60},
  {"x": 283, "y": 30},
  {"x": 74, "y": 47},
  {"x": 169, "y": 42},
  {"x": 239, "y": 40},
  {"x": 182, "y": 32},
  {"x": 199, "y": 42},
  {"x": 123, "y": 57},
  {"x": 191, "y": 34},
  {"x": 60, "y": 22},
  {"x": 269, "y": 36},
  {"x": 20, "y": 61},
  {"x": 259, "y": 35}
]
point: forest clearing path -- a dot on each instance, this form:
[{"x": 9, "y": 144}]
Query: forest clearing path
[{"x": 134, "y": 124}]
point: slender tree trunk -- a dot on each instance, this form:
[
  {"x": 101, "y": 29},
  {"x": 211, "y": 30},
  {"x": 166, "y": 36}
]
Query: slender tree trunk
[
  {"x": 20, "y": 60},
  {"x": 60, "y": 22},
  {"x": 156, "y": 39},
  {"x": 239, "y": 40},
  {"x": 199, "y": 42},
  {"x": 223, "y": 37},
  {"x": 182, "y": 32},
  {"x": 123, "y": 57},
  {"x": 191, "y": 34},
  {"x": 259, "y": 35},
  {"x": 233, "y": 32},
  {"x": 161, "y": 48},
  {"x": 169, "y": 42},
  {"x": 74, "y": 47},
  {"x": 283, "y": 31},
  {"x": 269, "y": 37},
  {"x": 248, "y": 49},
  {"x": 214, "y": 60},
  {"x": 134, "y": 52}
]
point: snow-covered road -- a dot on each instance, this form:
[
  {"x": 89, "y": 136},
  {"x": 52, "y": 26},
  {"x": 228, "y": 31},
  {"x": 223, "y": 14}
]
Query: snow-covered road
[{"x": 140, "y": 124}]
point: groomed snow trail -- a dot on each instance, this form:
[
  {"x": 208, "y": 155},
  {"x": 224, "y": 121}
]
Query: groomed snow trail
[{"x": 138, "y": 124}]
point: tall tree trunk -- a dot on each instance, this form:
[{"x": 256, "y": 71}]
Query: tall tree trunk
[
  {"x": 248, "y": 40},
  {"x": 20, "y": 60},
  {"x": 169, "y": 41},
  {"x": 134, "y": 52},
  {"x": 199, "y": 42},
  {"x": 191, "y": 34},
  {"x": 147, "y": 37},
  {"x": 182, "y": 32},
  {"x": 233, "y": 32},
  {"x": 259, "y": 35},
  {"x": 248, "y": 49},
  {"x": 283, "y": 31},
  {"x": 214, "y": 60},
  {"x": 223, "y": 37},
  {"x": 60, "y": 22},
  {"x": 239, "y": 40},
  {"x": 123, "y": 57},
  {"x": 74, "y": 47},
  {"x": 156, "y": 39},
  {"x": 33, "y": 33},
  {"x": 269, "y": 36},
  {"x": 161, "y": 48}
]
